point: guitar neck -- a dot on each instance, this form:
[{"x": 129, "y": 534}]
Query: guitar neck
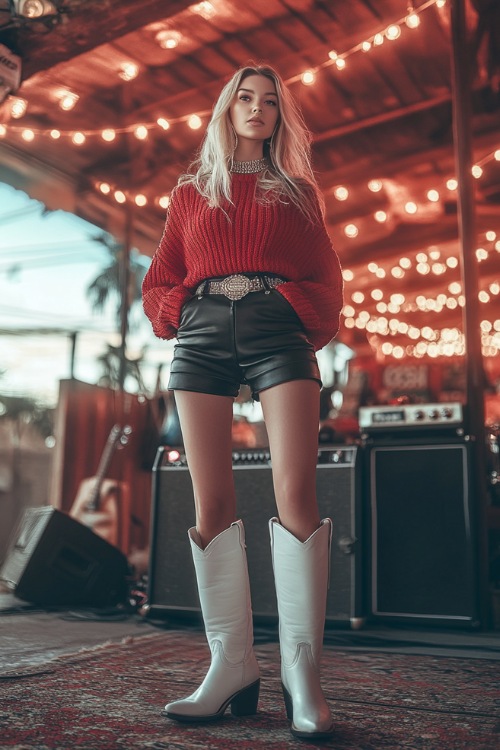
[{"x": 102, "y": 469}]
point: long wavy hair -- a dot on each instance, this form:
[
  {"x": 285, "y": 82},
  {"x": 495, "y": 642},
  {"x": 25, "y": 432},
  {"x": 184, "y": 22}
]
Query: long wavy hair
[{"x": 289, "y": 177}]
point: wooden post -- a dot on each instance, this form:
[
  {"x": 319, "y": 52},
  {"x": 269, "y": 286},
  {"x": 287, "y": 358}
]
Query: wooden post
[
  {"x": 125, "y": 293},
  {"x": 73, "y": 338},
  {"x": 474, "y": 370}
]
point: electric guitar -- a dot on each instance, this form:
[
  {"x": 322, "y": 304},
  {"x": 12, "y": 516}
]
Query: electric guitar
[{"x": 99, "y": 502}]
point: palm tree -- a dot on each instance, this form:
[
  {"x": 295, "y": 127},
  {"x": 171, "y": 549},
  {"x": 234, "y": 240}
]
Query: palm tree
[
  {"x": 115, "y": 364},
  {"x": 107, "y": 284},
  {"x": 110, "y": 364}
]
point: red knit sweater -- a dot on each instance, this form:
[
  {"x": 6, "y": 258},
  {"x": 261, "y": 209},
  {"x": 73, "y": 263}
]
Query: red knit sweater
[{"x": 199, "y": 243}]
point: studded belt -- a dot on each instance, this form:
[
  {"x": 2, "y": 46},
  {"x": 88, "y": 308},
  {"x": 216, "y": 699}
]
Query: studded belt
[{"x": 237, "y": 286}]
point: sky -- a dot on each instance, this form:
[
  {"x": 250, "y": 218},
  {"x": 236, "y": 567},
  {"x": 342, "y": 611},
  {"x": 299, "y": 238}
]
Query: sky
[{"x": 47, "y": 261}]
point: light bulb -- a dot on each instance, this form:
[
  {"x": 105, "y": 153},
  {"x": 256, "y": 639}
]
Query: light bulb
[
  {"x": 108, "y": 135},
  {"x": 308, "y": 77},
  {"x": 128, "y": 71},
  {"x": 194, "y": 122},
  {"x": 412, "y": 21}
]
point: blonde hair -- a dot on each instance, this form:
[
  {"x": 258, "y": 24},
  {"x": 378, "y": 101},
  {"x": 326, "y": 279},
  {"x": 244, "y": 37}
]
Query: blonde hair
[{"x": 289, "y": 177}]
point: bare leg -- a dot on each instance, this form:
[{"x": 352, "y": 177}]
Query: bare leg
[
  {"x": 206, "y": 422},
  {"x": 291, "y": 412},
  {"x": 219, "y": 557}
]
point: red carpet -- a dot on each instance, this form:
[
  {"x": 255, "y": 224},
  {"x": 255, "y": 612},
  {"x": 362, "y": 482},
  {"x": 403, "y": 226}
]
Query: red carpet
[{"x": 111, "y": 698}]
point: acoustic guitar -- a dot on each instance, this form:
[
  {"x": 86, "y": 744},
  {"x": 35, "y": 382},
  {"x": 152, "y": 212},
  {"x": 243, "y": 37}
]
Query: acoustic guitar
[{"x": 101, "y": 503}]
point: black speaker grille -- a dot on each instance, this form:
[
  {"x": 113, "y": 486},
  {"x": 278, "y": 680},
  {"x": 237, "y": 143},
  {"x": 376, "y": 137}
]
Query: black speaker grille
[
  {"x": 172, "y": 582},
  {"x": 422, "y": 556}
]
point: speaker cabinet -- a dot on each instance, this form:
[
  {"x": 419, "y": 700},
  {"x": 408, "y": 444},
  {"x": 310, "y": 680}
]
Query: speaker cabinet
[
  {"x": 423, "y": 557},
  {"x": 172, "y": 583},
  {"x": 55, "y": 560}
]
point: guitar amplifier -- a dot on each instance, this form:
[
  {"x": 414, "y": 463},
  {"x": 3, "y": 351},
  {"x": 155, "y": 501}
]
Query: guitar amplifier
[
  {"x": 423, "y": 537},
  {"x": 172, "y": 582}
]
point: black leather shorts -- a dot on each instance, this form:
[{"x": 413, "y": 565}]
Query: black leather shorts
[{"x": 258, "y": 340}]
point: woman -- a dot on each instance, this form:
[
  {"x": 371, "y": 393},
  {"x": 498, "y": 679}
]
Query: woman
[{"x": 246, "y": 278}]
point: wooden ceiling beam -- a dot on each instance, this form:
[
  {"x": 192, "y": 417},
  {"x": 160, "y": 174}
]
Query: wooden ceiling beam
[
  {"x": 381, "y": 119},
  {"x": 87, "y": 24},
  {"x": 386, "y": 165}
]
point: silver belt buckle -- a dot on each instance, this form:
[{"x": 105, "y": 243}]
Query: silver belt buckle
[{"x": 235, "y": 287}]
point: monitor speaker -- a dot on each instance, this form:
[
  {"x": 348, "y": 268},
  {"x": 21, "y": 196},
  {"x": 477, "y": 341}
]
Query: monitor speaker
[
  {"x": 172, "y": 583},
  {"x": 55, "y": 560},
  {"x": 423, "y": 566}
]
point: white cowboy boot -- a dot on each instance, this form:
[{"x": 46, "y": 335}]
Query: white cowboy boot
[
  {"x": 224, "y": 590},
  {"x": 301, "y": 573}
]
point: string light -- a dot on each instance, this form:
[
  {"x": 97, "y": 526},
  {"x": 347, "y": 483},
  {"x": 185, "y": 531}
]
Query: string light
[
  {"x": 341, "y": 193},
  {"x": 119, "y": 196},
  {"x": 393, "y": 32},
  {"x": 128, "y": 71},
  {"x": 141, "y": 132},
  {"x": 429, "y": 341},
  {"x": 68, "y": 100},
  {"x": 412, "y": 20},
  {"x": 168, "y": 38},
  {"x": 195, "y": 122},
  {"x": 438, "y": 342},
  {"x": 205, "y": 9},
  {"x": 308, "y": 77},
  {"x": 390, "y": 32},
  {"x": 18, "y": 107},
  {"x": 108, "y": 135}
]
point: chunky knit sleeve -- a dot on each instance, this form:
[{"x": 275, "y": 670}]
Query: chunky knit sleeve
[
  {"x": 318, "y": 297},
  {"x": 163, "y": 290}
]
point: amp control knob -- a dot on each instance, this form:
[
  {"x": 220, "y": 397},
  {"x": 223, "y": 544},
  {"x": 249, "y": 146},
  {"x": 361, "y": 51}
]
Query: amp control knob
[
  {"x": 419, "y": 415},
  {"x": 434, "y": 414}
]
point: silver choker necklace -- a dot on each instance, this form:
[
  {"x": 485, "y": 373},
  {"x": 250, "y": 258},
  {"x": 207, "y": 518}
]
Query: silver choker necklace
[{"x": 249, "y": 167}]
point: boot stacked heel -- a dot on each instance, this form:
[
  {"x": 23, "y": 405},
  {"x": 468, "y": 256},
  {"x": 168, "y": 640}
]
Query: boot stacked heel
[
  {"x": 288, "y": 703},
  {"x": 245, "y": 702}
]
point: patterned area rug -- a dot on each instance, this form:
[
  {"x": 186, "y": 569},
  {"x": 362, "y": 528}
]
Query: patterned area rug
[{"x": 110, "y": 697}]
